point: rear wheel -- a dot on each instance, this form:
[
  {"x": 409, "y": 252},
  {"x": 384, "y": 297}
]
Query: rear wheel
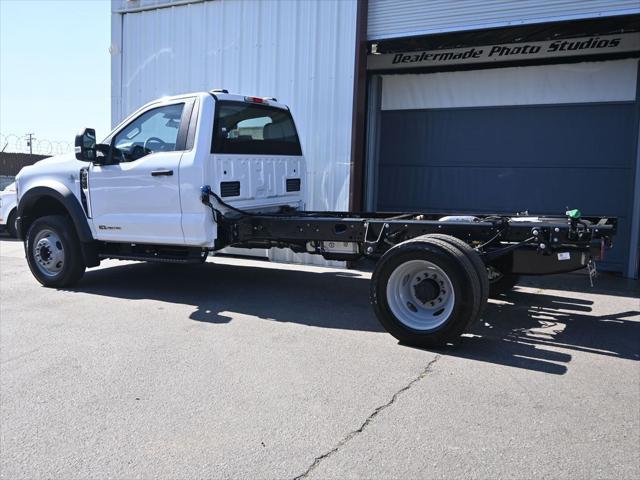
[
  {"x": 425, "y": 292},
  {"x": 12, "y": 227},
  {"x": 478, "y": 265},
  {"x": 53, "y": 252}
]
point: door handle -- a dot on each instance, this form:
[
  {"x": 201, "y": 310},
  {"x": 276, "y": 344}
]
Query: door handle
[{"x": 160, "y": 173}]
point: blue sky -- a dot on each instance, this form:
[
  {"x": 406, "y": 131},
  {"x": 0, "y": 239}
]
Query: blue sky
[{"x": 54, "y": 67}]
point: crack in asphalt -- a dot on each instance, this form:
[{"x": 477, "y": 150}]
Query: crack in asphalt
[{"x": 367, "y": 421}]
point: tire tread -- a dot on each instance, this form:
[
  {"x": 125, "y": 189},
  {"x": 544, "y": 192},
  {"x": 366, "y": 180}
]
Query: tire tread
[
  {"x": 476, "y": 261},
  {"x": 11, "y": 224}
]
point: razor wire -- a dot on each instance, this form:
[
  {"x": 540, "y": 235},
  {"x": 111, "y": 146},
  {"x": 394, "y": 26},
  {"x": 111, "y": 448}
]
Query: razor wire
[{"x": 41, "y": 146}]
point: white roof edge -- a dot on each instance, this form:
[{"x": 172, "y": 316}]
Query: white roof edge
[{"x": 235, "y": 97}]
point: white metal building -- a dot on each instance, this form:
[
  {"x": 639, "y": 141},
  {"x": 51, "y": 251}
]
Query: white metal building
[{"x": 431, "y": 105}]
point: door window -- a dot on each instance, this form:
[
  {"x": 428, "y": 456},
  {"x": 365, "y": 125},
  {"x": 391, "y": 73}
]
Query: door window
[{"x": 154, "y": 131}]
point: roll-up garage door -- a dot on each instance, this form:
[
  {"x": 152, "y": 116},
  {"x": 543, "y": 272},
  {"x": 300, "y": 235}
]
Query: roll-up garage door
[
  {"x": 402, "y": 18},
  {"x": 506, "y": 140}
]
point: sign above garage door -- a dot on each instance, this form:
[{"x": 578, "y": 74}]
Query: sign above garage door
[{"x": 595, "y": 45}]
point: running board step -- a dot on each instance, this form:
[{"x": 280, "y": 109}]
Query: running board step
[{"x": 154, "y": 259}]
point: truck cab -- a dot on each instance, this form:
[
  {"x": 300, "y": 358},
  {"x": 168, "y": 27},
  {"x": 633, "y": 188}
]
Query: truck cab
[{"x": 142, "y": 183}]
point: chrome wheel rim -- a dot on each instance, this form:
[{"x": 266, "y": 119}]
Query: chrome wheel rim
[
  {"x": 48, "y": 252},
  {"x": 420, "y": 295}
]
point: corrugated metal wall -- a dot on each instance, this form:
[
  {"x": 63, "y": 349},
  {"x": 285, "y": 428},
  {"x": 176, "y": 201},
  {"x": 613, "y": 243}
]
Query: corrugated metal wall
[
  {"x": 403, "y": 18},
  {"x": 133, "y": 5},
  {"x": 301, "y": 52}
]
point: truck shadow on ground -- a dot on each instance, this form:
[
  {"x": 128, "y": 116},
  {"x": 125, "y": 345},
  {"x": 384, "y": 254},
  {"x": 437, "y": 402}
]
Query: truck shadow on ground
[
  {"x": 530, "y": 330},
  {"x": 537, "y": 331}
]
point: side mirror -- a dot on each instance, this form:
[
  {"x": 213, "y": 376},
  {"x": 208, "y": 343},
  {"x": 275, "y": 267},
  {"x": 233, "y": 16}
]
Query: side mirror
[{"x": 85, "y": 145}]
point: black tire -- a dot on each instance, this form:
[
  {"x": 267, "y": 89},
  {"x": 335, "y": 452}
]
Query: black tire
[
  {"x": 72, "y": 265},
  {"x": 459, "y": 270},
  {"x": 502, "y": 285},
  {"x": 12, "y": 229},
  {"x": 478, "y": 265}
]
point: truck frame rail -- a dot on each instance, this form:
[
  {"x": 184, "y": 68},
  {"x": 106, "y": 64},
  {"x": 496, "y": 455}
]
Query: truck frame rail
[{"x": 349, "y": 236}]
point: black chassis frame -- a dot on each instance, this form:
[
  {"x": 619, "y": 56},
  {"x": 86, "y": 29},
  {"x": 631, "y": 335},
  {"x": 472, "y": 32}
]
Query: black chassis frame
[{"x": 509, "y": 244}]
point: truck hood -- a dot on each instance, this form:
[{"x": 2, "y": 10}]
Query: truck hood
[
  {"x": 60, "y": 161},
  {"x": 61, "y": 170},
  {"x": 65, "y": 163}
]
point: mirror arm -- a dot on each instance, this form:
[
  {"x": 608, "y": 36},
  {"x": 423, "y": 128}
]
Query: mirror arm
[
  {"x": 105, "y": 156},
  {"x": 112, "y": 150}
]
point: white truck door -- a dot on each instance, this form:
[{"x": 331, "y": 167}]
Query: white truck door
[{"x": 138, "y": 199}]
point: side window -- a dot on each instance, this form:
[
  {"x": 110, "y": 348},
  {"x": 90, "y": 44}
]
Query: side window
[{"x": 153, "y": 131}]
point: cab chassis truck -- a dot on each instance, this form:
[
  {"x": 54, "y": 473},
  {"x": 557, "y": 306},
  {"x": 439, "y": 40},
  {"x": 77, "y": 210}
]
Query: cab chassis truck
[{"x": 188, "y": 175}]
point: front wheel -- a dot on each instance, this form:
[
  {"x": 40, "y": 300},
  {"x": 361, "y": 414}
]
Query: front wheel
[
  {"x": 53, "y": 252},
  {"x": 12, "y": 227},
  {"x": 425, "y": 292}
]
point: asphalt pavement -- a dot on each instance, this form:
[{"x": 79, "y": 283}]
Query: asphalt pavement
[{"x": 247, "y": 369}]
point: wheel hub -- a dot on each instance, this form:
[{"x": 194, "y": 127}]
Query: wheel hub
[
  {"x": 45, "y": 251},
  {"x": 48, "y": 252},
  {"x": 426, "y": 290}
]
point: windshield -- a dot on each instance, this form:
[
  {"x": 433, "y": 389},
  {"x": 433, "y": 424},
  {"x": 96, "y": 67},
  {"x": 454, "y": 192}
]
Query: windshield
[{"x": 250, "y": 129}]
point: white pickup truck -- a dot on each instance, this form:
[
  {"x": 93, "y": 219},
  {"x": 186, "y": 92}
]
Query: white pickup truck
[
  {"x": 9, "y": 209},
  {"x": 190, "y": 174}
]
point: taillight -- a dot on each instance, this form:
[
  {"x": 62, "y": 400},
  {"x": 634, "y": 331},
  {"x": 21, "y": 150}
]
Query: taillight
[{"x": 254, "y": 100}]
